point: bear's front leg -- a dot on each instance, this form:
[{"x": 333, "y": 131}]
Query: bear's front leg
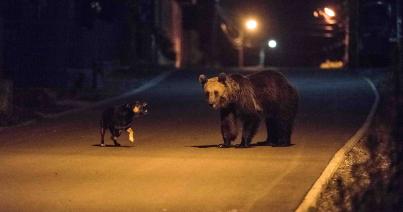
[
  {"x": 229, "y": 128},
  {"x": 250, "y": 126}
]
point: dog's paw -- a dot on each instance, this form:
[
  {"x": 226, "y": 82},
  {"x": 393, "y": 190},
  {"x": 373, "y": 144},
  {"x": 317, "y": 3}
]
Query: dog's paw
[
  {"x": 102, "y": 145},
  {"x": 131, "y": 135}
]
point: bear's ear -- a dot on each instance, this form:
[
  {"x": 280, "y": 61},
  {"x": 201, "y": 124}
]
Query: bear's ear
[
  {"x": 202, "y": 79},
  {"x": 222, "y": 77}
]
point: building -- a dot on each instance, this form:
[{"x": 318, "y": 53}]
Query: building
[{"x": 43, "y": 39}]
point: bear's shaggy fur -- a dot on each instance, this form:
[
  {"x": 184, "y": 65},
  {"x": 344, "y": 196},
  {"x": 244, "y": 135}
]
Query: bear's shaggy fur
[{"x": 265, "y": 95}]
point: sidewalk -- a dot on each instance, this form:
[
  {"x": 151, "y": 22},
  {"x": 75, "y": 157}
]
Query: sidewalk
[{"x": 38, "y": 103}]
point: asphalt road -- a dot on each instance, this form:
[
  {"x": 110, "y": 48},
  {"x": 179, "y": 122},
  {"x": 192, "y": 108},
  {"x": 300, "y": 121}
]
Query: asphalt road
[{"x": 174, "y": 164}]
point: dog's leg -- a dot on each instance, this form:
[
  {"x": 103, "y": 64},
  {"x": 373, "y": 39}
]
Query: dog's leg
[
  {"x": 102, "y": 137},
  {"x": 102, "y": 132},
  {"x": 131, "y": 134},
  {"x": 115, "y": 134}
]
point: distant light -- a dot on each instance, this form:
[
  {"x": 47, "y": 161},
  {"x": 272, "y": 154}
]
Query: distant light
[
  {"x": 96, "y": 6},
  {"x": 332, "y": 64},
  {"x": 251, "y": 24},
  {"x": 329, "y": 12},
  {"x": 272, "y": 44}
]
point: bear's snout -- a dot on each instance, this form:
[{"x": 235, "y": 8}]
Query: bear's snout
[{"x": 213, "y": 106}]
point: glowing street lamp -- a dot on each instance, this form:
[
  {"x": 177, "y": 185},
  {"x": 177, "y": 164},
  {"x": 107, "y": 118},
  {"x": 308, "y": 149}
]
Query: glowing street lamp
[
  {"x": 250, "y": 25},
  {"x": 262, "y": 54},
  {"x": 272, "y": 44},
  {"x": 329, "y": 12}
]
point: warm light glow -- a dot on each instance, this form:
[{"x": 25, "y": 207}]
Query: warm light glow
[
  {"x": 251, "y": 24},
  {"x": 329, "y": 12},
  {"x": 330, "y": 64},
  {"x": 272, "y": 44},
  {"x": 328, "y": 15}
]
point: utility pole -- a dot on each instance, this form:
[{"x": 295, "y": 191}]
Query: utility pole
[
  {"x": 1, "y": 49},
  {"x": 346, "y": 17},
  {"x": 6, "y": 86},
  {"x": 398, "y": 47},
  {"x": 352, "y": 29},
  {"x": 214, "y": 32},
  {"x": 241, "y": 49}
]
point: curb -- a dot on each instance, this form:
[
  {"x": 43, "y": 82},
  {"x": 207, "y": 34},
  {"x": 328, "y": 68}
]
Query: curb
[
  {"x": 310, "y": 200},
  {"x": 153, "y": 82}
]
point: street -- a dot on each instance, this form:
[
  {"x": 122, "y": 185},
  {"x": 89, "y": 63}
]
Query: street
[{"x": 174, "y": 164}]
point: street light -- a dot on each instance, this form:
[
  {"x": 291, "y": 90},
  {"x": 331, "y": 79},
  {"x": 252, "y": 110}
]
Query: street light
[
  {"x": 272, "y": 44},
  {"x": 262, "y": 54},
  {"x": 329, "y": 12},
  {"x": 250, "y": 25}
]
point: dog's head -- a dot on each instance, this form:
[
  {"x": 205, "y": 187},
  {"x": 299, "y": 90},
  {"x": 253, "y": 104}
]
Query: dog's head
[{"x": 139, "y": 108}]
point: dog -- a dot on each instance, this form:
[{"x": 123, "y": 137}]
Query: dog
[{"x": 119, "y": 118}]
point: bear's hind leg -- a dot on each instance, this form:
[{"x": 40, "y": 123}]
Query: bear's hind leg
[
  {"x": 271, "y": 129},
  {"x": 284, "y": 131},
  {"x": 249, "y": 130}
]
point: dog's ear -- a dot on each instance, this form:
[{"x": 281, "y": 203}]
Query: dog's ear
[
  {"x": 202, "y": 79},
  {"x": 222, "y": 77}
]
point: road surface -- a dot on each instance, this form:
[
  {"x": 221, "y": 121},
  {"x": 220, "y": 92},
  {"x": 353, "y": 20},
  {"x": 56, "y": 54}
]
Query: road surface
[{"x": 174, "y": 165}]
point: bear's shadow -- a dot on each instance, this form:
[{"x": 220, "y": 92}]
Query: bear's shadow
[
  {"x": 258, "y": 144},
  {"x": 111, "y": 145}
]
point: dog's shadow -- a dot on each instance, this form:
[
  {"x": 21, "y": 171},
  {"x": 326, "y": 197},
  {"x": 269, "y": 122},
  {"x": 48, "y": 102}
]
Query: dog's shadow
[
  {"x": 258, "y": 144},
  {"x": 110, "y": 145},
  {"x": 207, "y": 146}
]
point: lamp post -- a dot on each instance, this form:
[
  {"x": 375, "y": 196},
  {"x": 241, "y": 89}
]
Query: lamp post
[
  {"x": 6, "y": 86},
  {"x": 1, "y": 48},
  {"x": 272, "y": 44},
  {"x": 250, "y": 25}
]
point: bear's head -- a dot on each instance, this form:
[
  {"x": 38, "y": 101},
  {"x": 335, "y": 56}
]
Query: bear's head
[{"x": 216, "y": 90}]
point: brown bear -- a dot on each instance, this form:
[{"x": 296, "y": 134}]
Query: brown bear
[{"x": 250, "y": 98}]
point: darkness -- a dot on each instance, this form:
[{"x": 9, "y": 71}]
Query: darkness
[
  {"x": 47, "y": 42},
  {"x": 57, "y": 56},
  {"x": 291, "y": 24},
  {"x": 304, "y": 40}
]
